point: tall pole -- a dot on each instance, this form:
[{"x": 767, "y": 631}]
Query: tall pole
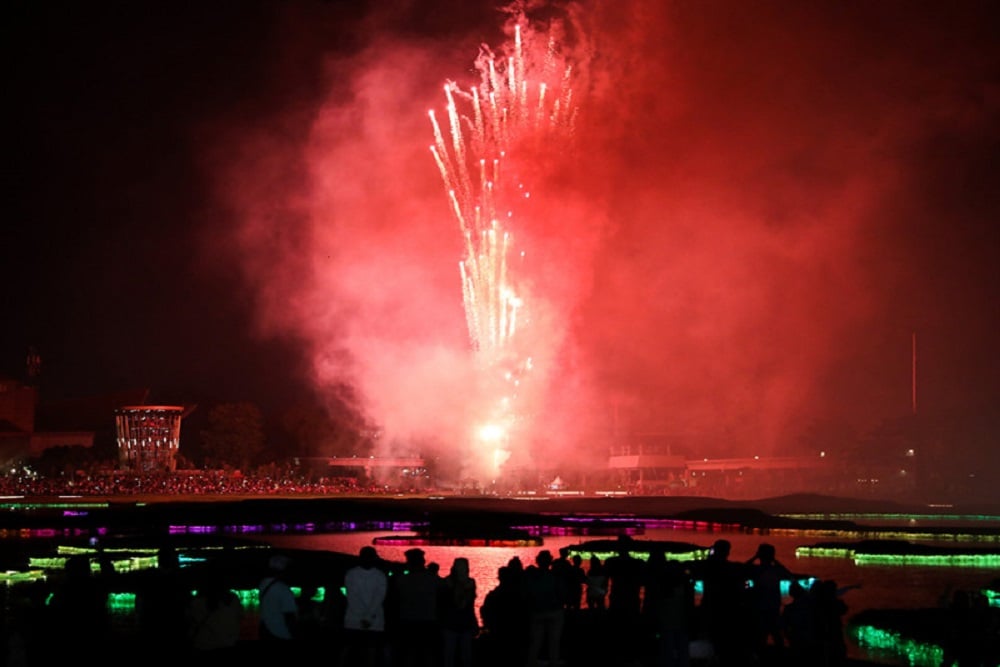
[{"x": 913, "y": 372}]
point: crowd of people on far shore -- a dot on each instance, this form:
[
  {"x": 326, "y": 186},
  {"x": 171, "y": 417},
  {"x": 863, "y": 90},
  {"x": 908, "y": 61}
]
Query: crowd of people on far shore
[
  {"x": 275, "y": 480},
  {"x": 202, "y": 483}
]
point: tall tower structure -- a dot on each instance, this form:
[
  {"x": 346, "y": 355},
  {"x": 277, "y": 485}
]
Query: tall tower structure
[{"x": 148, "y": 437}]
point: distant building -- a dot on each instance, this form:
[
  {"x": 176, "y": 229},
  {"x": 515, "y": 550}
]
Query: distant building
[
  {"x": 149, "y": 437},
  {"x": 29, "y": 426},
  {"x": 658, "y": 463},
  {"x": 20, "y": 435}
]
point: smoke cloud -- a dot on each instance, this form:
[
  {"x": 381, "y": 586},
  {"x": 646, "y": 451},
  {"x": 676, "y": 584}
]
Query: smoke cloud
[{"x": 732, "y": 246}]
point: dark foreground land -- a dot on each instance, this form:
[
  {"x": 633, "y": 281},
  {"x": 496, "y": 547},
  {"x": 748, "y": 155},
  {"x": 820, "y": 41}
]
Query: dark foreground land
[
  {"x": 588, "y": 640},
  {"x": 586, "y": 646}
]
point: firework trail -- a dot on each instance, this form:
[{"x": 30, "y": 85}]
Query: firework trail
[
  {"x": 507, "y": 113},
  {"x": 521, "y": 109}
]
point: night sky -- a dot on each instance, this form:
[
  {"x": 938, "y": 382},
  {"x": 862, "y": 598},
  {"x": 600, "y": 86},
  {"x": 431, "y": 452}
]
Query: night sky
[{"x": 764, "y": 201}]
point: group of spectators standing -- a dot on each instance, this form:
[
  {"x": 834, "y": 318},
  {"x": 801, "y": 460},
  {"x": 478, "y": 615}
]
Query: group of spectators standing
[
  {"x": 556, "y": 610},
  {"x": 70, "y": 619},
  {"x": 415, "y": 617},
  {"x": 560, "y": 610}
]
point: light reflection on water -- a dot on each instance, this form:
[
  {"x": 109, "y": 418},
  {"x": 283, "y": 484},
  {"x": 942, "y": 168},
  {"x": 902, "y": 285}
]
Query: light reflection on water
[{"x": 881, "y": 586}]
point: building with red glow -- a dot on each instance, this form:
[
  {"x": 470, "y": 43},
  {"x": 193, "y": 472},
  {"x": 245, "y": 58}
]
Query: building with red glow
[{"x": 148, "y": 437}]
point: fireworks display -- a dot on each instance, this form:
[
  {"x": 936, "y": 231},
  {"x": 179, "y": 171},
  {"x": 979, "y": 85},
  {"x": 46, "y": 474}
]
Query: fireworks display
[
  {"x": 521, "y": 108},
  {"x": 740, "y": 215},
  {"x": 478, "y": 166}
]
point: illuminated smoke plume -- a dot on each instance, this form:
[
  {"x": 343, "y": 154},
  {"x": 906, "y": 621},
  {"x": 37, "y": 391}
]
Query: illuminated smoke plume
[
  {"x": 518, "y": 109},
  {"x": 353, "y": 255},
  {"x": 732, "y": 239}
]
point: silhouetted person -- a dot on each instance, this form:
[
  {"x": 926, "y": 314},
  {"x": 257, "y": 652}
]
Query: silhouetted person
[
  {"x": 722, "y": 610},
  {"x": 597, "y": 584},
  {"x": 625, "y": 580},
  {"x": 418, "y": 633},
  {"x": 575, "y": 577},
  {"x": 506, "y": 629},
  {"x": 798, "y": 621},
  {"x": 765, "y": 598},
  {"x": 544, "y": 601},
  {"x": 415, "y": 600},
  {"x": 311, "y": 626},
  {"x": 279, "y": 610},
  {"x": 78, "y": 613},
  {"x": 830, "y": 612},
  {"x": 214, "y": 618},
  {"x": 364, "y": 617},
  {"x": 161, "y": 605},
  {"x": 669, "y": 609},
  {"x": 457, "y": 610}
]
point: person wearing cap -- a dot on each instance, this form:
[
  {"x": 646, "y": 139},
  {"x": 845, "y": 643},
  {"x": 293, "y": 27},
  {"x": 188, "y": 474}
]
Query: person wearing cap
[{"x": 278, "y": 607}]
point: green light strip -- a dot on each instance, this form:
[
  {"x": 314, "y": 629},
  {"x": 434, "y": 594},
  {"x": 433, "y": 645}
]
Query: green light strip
[
  {"x": 823, "y": 552},
  {"x": 70, "y": 550},
  {"x": 120, "y": 564},
  {"x": 932, "y": 560},
  {"x": 880, "y": 516},
  {"x": 124, "y": 603},
  {"x": 11, "y": 577},
  {"x": 916, "y": 653},
  {"x": 60, "y": 506},
  {"x": 920, "y": 560},
  {"x": 121, "y": 603},
  {"x": 697, "y": 554},
  {"x": 890, "y": 534}
]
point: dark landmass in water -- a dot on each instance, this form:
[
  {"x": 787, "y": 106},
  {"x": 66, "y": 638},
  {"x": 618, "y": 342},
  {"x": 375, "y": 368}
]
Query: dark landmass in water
[{"x": 152, "y": 513}]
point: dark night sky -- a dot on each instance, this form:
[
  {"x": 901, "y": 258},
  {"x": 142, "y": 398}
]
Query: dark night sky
[
  {"x": 787, "y": 191},
  {"x": 113, "y": 102}
]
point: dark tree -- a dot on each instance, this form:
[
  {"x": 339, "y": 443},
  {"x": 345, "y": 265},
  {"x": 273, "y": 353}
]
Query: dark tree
[{"x": 234, "y": 435}]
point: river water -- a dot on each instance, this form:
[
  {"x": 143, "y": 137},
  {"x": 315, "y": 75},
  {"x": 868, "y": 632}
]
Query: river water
[{"x": 880, "y": 586}]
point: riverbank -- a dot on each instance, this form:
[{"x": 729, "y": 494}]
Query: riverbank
[
  {"x": 152, "y": 513},
  {"x": 160, "y": 519}
]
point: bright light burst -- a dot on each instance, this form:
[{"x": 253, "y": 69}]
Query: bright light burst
[
  {"x": 506, "y": 125},
  {"x": 507, "y": 114}
]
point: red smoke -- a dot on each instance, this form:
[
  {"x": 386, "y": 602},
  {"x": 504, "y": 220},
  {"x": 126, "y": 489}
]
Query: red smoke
[{"x": 725, "y": 258}]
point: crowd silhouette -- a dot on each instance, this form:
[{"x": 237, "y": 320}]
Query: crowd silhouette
[{"x": 620, "y": 612}]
